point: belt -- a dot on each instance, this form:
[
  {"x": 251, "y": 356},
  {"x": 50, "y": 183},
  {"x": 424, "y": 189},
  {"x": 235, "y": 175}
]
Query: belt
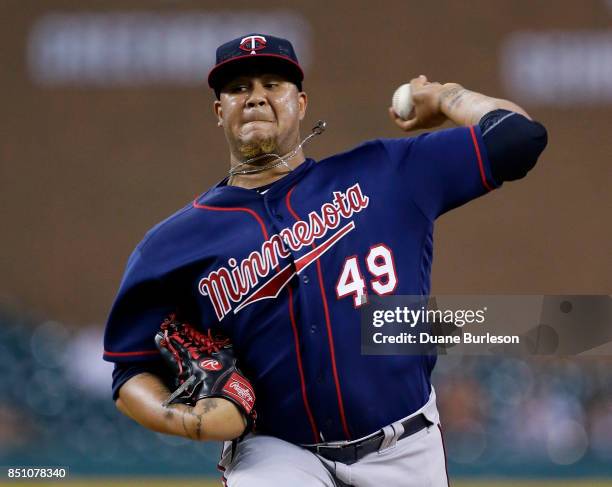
[{"x": 350, "y": 453}]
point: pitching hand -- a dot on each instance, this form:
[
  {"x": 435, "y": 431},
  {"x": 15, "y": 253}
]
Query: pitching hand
[{"x": 426, "y": 111}]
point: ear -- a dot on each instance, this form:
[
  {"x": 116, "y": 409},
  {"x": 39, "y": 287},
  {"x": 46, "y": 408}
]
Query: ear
[
  {"x": 302, "y": 104},
  {"x": 218, "y": 112}
]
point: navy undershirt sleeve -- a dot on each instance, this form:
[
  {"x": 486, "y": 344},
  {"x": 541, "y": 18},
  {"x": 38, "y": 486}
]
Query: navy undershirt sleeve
[
  {"x": 125, "y": 371},
  {"x": 513, "y": 143}
]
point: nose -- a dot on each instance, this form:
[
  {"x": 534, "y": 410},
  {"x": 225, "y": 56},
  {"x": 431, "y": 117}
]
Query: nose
[{"x": 257, "y": 96}]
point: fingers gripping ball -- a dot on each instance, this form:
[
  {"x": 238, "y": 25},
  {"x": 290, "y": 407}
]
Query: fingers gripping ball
[
  {"x": 204, "y": 366},
  {"x": 402, "y": 101}
]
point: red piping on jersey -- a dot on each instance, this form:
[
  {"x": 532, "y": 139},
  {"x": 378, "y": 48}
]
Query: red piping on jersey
[
  {"x": 480, "y": 164},
  {"x": 248, "y": 210},
  {"x": 330, "y": 338},
  {"x": 129, "y": 354},
  {"x": 296, "y": 340},
  {"x": 202, "y": 207}
]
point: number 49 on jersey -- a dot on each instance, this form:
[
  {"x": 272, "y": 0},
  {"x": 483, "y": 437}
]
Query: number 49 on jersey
[{"x": 381, "y": 274}]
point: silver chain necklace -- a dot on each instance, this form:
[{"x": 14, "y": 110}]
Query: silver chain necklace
[{"x": 318, "y": 129}]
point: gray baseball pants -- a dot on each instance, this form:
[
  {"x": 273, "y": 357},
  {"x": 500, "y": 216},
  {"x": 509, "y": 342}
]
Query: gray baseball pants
[{"x": 415, "y": 461}]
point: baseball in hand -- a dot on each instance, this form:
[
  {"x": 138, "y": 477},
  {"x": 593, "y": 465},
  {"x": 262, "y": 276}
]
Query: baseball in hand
[{"x": 402, "y": 101}]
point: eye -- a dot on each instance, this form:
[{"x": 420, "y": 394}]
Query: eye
[
  {"x": 271, "y": 84},
  {"x": 238, "y": 88}
]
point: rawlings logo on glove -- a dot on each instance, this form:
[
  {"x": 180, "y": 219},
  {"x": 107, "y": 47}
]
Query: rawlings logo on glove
[
  {"x": 211, "y": 364},
  {"x": 204, "y": 366}
]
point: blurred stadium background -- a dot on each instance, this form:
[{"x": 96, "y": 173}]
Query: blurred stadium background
[{"x": 106, "y": 129}]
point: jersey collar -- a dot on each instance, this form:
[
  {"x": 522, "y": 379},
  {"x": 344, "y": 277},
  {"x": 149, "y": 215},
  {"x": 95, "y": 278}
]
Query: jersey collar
[{"x": 223, "y": 195}]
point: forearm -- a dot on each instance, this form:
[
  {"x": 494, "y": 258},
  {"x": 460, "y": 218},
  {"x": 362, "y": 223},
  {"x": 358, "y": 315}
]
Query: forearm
[
  {"x": 465, "y": 107},
  {"x": 141, "y": 398}
]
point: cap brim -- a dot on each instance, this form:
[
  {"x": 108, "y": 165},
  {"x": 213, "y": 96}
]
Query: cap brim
[{"x": 220, "y": 74}]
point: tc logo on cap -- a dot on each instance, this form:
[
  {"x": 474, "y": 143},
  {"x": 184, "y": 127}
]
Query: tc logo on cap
[{"x": 253, "y": 43}]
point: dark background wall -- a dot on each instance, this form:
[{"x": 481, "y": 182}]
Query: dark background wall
[{"x": 86, "y": 169}]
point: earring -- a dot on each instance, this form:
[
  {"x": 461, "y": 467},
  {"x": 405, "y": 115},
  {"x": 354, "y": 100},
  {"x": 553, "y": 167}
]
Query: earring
[{"x": 219, "y": 124}]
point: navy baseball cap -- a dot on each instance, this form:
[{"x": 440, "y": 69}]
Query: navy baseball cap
[{"x": 273, "y": 53}]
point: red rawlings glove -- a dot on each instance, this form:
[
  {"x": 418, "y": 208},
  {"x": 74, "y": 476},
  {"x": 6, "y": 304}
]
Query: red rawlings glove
[{"x": 204, "y": 366}]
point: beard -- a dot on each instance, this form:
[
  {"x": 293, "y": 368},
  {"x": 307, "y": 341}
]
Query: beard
[{"x": 260, "y": 147}]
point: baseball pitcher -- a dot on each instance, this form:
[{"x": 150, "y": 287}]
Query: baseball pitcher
[{"x": 238, "y": 317}]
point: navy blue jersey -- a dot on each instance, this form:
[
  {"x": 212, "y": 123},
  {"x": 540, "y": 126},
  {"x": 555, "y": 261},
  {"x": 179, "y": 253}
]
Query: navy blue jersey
[{"x": 285, "y": 273}]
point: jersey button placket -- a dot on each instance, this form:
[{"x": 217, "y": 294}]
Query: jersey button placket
[{"x": 274, "y": 213}]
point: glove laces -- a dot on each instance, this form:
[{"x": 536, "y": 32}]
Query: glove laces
[{"x": 195, "y": 342}]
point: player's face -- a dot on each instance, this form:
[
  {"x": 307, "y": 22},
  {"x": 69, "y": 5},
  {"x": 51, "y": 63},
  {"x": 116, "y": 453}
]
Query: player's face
[{"x": 260, "y": 113}]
